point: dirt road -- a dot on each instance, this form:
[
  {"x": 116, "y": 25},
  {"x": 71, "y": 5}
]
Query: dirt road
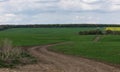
[{"x": 54, "y": 62}]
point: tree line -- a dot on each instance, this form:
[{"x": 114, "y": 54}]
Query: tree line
[{"x": 4, "y": 27}]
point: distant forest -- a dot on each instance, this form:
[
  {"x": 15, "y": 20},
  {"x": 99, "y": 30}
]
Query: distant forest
[{"x": 4, "y": 27}]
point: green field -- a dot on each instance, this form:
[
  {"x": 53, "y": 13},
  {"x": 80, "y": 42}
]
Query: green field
[
  {"x": 107, "y": 49},
  {"x": 40, "y": 36}
]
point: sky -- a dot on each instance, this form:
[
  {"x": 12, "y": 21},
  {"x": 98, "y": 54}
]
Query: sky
[{"x": 59, "y": 11}]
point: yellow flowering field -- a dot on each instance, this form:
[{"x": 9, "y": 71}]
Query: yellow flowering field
[{"x": 113, "y": 28}]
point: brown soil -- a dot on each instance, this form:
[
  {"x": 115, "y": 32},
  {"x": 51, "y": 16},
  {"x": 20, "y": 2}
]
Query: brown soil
[{"x": 54, "y": 62}]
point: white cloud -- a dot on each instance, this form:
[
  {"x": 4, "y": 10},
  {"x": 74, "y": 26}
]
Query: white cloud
[
  {"x": 8, "y": 18},
  {"x": 86, "y": 19},
  {"x": 91, "y": 1},
  {"x": 91, "y": 5},
  {"x": 70, "y": 5},
  {"x": 24, "y": 5},
  {"x": 79, "y": 5},
  {"x": 114, "y": 5},
  {"x": 12, "y": 10}
]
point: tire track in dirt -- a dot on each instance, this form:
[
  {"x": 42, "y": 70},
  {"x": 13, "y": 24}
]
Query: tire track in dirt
[
  {"x": 55, "y": 62},
  {"x": 97, "y": 38}
]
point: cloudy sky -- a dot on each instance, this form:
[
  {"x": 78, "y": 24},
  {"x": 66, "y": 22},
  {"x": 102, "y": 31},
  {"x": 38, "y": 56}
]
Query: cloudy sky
[{"x": 59, "y": 11}]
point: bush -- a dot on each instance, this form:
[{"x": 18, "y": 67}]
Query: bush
[
  {"x": 112, "y": 32},
  {"x": 8, "y": 52},
  {"x": 11, "y": 56},
  {"x": 91, "y": 32},
  {"x": 108, "y": 32}
]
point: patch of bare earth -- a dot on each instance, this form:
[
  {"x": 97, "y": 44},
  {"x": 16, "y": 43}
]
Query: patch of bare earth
[
  {"x": 97, "y": 38},
  {"x": 54, "y": 62}
]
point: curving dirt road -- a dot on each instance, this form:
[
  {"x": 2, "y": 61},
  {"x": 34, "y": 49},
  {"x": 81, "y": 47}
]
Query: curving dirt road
[{"x": 54, "y": 62}]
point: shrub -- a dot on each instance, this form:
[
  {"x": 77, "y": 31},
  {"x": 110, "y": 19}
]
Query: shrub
[
  {"x": 108, "y": 32},
  {"x": 9, "y": 53},
  {"x": 112, "y": 32},
  {"x": 91, "y": 32},
  {"x": 11, "y": 56}
]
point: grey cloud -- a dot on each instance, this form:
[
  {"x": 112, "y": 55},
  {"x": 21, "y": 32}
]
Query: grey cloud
[
  {"x": 96, "y": 2},
  {"x": 3, "y": 0},
  {"x": 47, "y": 1}
]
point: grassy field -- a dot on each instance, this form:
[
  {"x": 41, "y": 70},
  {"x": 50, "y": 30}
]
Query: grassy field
[
  {"x": 37, "y": 36},
  {"x": 107, "y": 49}
]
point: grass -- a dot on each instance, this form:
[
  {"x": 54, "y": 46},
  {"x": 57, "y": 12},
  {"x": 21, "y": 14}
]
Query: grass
[
  {"x": 107, "y": 49},
  {"x": 39, "y": 36},
  {"x": 28, "y": 37}
]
